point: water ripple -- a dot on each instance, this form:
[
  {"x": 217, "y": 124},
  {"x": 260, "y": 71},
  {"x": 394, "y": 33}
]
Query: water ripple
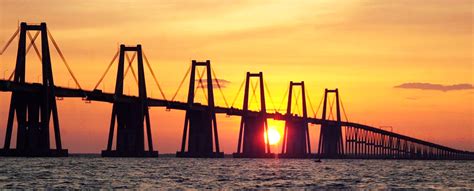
[{"x": 86, "y": 172}]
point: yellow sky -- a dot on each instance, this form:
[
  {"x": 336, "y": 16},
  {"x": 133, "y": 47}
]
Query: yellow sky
[{"x": 364, "y": 48}]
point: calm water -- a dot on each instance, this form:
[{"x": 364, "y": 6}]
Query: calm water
[{"x": 95, "y": 172}]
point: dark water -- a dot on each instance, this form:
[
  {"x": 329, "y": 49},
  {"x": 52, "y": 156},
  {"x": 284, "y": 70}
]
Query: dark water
[{"x": 80, "y": 172}]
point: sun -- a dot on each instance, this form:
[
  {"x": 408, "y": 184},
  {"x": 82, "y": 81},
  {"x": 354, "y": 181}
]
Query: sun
[{"x": 273, "y": 136}]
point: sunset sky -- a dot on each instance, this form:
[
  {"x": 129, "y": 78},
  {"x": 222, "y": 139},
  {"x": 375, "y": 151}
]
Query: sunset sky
[{"x": 406, "y": 64}]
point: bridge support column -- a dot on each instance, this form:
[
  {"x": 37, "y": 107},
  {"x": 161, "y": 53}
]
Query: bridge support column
[
  {"x": 33, "y": 109},
  {"x": 253, "y": 128},
  {"x": 130, "y": 116},
  {"x": 296, "y": 143},
  {"x": 202, "y": 124},
  {"x": 330, "y": 141}
]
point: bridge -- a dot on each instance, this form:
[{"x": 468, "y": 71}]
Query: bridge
[{"x": 34, "y": 103}]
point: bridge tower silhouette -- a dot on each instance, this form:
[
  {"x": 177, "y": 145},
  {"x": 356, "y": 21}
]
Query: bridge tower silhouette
[
  {"x": 130, "y": 115},
  {"x": 201, "y": 123},
  {"x": 33, "y": 109},
  {"x": 330, "y": 141},
  {"x": 253, "y": 128},
  {"x": 296, "y": 143}
]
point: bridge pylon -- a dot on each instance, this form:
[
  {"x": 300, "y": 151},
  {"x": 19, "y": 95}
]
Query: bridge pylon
[
  {"x": 296, "y": 143},
  {"x": 33, "y": 109},
  {"x": 130, "y": 116},
  {"x": 253, "y": 128},
  {"x": 202, "y": 123},
  {"x": 330, "y": 141}
]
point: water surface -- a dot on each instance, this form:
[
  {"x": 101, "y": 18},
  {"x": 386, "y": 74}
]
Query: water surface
[{"x": 80, "y": 172}]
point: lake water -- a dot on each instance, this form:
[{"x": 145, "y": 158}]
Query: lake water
[{"x": 86, "y": 171}]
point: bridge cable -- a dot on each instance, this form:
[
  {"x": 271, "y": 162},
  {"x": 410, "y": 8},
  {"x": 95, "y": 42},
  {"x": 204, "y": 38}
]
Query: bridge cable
[
  {"x": 107, "y": 70},
  {"x": 343, "y": 109},
  {"x": 297, "y": 107},
  {"x": 15, "y": 34},
  {"x": 254, "y": 95},
  {"x": 297, "y": 103},
  {"x": 10, "y": 41},
  {"x": 219, "y": 86},
  {"x": 310, "y": 103},
  {"x": 11, "y": 76},
  {"x": 202, "y": 87},
  {"x": 319, "y": 106},
  {"x": 251, "y": 98},
  {"x": 328, "y": 114},
  {"x": 181, "y": 83},
  {"x": 63, "y": 59},
  {"x": 130, "y": 61},
  {"x": 333, "y": 108},
  {"x": 254, "y": 87},
  {"x": 201, "y": 84},
  {"x": 32, "y": 40},
  {"x": 198, "y": 81},
  {"x": 32, "y": 43},
  {"x": 270, "y": 95},
  {"x": 153, "y": 75},
  {"x": 238, "y": 92},
  {"x": 331, "y": 115},
  {"x": 283, "y": 98},
  {"x": 293, "y": 98}
]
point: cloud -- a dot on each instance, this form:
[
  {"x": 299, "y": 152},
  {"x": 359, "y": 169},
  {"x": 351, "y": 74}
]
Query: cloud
[
  {"x": 430, "y": 86},
  {"x": 222, "y": 83}
]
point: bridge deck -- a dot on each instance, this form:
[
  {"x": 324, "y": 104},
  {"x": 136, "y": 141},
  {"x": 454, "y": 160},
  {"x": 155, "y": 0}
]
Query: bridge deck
[{"x": 98, "y": 95}]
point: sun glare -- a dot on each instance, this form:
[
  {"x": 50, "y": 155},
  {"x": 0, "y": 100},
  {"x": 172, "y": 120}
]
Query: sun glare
[{"x": 273, "y": 136}]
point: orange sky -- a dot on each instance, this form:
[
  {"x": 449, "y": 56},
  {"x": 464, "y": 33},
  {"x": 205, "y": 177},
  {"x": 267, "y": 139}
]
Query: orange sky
[{"x": 364, "y": 48}]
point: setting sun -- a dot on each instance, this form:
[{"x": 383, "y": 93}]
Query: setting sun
[
  {"x": 273, "y": 136},
  {"x": 337, "y": 87}
]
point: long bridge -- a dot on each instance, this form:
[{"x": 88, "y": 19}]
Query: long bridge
[{"x": 34, "y": 103}]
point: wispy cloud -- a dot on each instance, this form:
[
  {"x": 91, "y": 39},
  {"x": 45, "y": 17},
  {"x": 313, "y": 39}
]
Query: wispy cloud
[
  {"x": 222, "y": 83},
  {"x": 439, "y": 87}
]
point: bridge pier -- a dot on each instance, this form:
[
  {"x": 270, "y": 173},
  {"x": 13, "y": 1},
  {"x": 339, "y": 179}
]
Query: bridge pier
[
  {"x": 33, "y": 109},
  {"x": 130, "y": 116},
  {"x": 202, "y": 124},
  {"x": 252, "y": 134},
  {"x": 296, "y": 143},
  {"x": 330, "y": 141}
]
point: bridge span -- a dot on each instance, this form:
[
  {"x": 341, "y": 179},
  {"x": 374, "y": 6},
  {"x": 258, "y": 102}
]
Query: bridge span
[{"x": 34, "y": 103}]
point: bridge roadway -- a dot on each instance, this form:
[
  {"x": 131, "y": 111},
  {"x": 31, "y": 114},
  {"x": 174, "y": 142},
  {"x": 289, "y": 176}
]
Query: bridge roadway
[{"x": 98, "y": 95}]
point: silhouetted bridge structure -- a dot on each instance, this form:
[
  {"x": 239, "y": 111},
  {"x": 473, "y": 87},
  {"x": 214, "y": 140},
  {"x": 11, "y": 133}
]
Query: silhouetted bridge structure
[{"x": 34, "y": 103}]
